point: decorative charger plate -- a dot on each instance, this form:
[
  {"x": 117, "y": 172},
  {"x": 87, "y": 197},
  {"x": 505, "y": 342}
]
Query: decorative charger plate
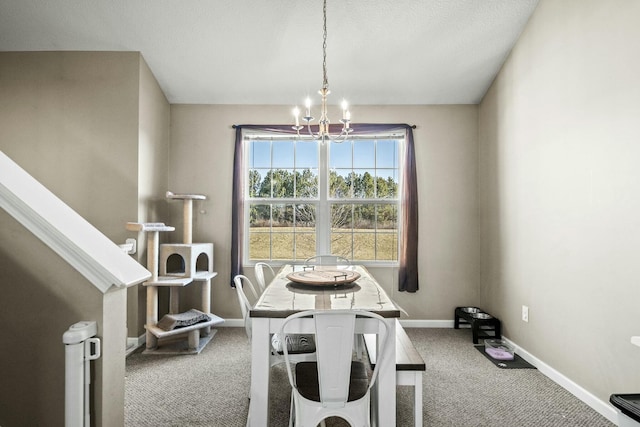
[{"x": 324, "y": 277}]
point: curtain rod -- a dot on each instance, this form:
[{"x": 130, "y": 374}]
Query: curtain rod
[
  {"x": 307, "y": 138},
  {"x": 237, "y": 126}
]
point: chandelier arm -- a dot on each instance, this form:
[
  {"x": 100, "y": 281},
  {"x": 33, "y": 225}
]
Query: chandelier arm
[
  {"x": 313, "y": 135},
  {"x": 338, "y": 138}
]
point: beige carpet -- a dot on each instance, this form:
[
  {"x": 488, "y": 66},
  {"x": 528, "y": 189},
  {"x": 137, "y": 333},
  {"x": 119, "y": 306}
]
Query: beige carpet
[{"x": 460, "y": 388}]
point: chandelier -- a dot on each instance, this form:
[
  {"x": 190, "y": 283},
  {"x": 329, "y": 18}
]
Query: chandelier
[{"x": 323, "y": 122}]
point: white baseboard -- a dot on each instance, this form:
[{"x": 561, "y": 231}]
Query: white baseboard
[
  {"x": 603, "y": 408},
  {"x": 231, "y": 323},
  {"x": 413, "y": 323},
  {"x": 134, "y": 343}
]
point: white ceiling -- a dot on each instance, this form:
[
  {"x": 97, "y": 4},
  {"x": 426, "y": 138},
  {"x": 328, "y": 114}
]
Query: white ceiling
[{"x": 270, "y": 51}]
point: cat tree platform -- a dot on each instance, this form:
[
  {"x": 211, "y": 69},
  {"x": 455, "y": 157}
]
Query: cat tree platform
[{"x": 196, "y": 266}]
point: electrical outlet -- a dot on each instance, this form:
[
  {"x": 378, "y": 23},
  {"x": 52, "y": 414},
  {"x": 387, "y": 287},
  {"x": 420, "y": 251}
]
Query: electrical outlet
[{"x": 525, "y": 313}]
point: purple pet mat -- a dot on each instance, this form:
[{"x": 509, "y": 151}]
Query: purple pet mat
[{"x": 517, "y": 362}]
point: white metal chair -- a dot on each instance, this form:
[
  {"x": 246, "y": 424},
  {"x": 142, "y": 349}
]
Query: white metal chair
[
  {"x": 301, "y": 346},
  {"x": 327, "y": 260},
  {"x": 335, "y": 384},
  {"x": 259, "y": 273},
  {"x": 240, "y": 282}
]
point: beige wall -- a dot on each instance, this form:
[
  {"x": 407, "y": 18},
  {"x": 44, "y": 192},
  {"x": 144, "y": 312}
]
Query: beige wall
[
  {"x": 559, "y": 148},
  {"x": 153, "y": 163},
  {"x": 201, "y": 161},
  {"x": 70, "y": 119},
  {"x": 74, "y": 121}
]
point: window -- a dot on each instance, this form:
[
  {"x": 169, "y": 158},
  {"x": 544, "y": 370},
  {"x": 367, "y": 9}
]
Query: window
[{"x": 303, "y": 198}]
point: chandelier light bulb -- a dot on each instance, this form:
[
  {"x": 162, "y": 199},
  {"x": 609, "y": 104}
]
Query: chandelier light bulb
[
  {"x": 307, "y": 104},
  {"x": 296, "y": 114}
]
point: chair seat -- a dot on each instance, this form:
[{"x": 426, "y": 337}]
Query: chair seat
[
  {"x": 308, "y": 386},
  {"x": 296, "y": 343}
]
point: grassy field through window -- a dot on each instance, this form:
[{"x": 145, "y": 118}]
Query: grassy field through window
[{"x": 299, "y": 243}]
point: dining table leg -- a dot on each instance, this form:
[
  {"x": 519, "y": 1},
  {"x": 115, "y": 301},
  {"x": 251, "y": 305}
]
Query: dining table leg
[{"x": 260, "y": 372}]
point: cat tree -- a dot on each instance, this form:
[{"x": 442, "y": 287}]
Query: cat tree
[{"x": 176, "y": 265}]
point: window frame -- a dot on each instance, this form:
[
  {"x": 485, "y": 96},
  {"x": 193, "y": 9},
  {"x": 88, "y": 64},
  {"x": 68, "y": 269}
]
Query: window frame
[{"x": 323, "y": 201}]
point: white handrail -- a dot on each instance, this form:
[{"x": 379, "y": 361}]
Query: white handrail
[{"x": 61, "y": 228}]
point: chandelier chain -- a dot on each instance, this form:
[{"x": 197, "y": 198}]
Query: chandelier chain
[{"x": 325, "y": 80}]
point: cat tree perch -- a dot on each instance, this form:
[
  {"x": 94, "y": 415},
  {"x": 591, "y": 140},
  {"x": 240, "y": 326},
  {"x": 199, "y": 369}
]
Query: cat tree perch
[
  {"x": 187, "y": 212},
  {"x": 176, "y": 265}
]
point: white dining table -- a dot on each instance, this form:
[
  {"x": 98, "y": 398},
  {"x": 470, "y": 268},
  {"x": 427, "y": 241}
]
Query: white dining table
[{"x": 283, "y": 298}]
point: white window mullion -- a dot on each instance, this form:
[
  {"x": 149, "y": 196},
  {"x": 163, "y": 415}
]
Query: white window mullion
[{"x": 323, "y": 214}]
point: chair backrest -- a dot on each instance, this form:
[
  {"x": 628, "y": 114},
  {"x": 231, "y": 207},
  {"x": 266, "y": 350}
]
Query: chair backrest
[
  {"x": 334, "y": 331},
  {"x": 259, "y": 273},
  {"x": 327, "y": 260},
  {"x": 241, "y": 281}
]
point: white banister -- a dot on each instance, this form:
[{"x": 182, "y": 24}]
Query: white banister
[
  {"x": 80, "y": 349},
  {"x": 72, "y": 237}
]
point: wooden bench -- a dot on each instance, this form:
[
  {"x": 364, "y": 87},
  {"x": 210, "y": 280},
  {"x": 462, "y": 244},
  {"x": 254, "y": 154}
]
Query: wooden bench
[{"x": 409, "y": 366}]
